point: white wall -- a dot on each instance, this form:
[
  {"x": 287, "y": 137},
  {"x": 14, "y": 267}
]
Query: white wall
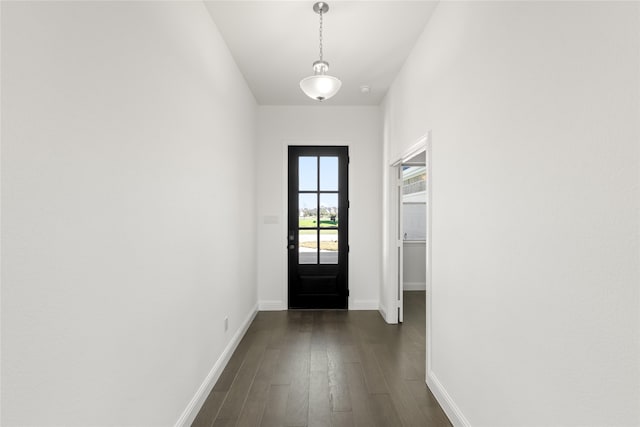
[
  {"x": 360, "y": 129},
  {"x": 414, "y": 256},
  {"x": 414, "y": 253},
  {"x": 127, "y": 230},
  {"x": 535, "y": 123},
  {"x": 415, "y": 198}
]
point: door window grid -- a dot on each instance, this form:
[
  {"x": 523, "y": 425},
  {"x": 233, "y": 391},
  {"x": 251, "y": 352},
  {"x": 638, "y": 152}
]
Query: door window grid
[{"x": 318, "y": 225}]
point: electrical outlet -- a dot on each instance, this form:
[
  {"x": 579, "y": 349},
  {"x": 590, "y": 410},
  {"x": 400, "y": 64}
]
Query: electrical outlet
[{"x": 226, "y": 324}]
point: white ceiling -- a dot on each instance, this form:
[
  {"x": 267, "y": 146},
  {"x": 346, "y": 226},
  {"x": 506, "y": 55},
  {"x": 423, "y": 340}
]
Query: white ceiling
[{"x": 275, "y": 42}]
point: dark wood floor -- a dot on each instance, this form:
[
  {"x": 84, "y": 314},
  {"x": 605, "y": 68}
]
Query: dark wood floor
[{"x": 327, "y": 368}]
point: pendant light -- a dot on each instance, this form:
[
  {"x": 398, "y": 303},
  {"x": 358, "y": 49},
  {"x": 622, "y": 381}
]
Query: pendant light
[{"x": 320, "y": 86}]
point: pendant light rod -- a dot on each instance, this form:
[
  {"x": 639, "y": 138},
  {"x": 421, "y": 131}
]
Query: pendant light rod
[
  {"x": 320, "y": 86},
  {"x": 321, "y": 8}
]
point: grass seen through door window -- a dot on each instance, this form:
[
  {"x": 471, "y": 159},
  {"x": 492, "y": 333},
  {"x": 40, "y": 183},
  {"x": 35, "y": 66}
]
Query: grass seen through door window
[{"x": 324, "y": 222}]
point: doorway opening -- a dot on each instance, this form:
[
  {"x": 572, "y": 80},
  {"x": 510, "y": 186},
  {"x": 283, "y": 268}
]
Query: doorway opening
[
  {"x": 317, "y": 236},
  {"x": 411, "y": 234},
  {"x": 413, "y": 207},
  {"x": 409, "y": 260}
]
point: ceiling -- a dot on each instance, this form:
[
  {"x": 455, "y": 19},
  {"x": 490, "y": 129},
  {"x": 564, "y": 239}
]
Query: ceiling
[{"x": 274, "y": 44}]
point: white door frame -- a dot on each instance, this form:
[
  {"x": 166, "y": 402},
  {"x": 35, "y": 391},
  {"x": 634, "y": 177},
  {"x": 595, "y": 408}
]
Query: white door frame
[
  {"x": 398, "y": 244},
  {"x": 422, "y": 145}
]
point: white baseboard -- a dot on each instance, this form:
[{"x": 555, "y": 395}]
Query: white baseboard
[
  {"x": 201, "y": 395},
  {"x": 272, "y": 305},
  {"x": 364, "y": 304},
  {"x": 415, "y": 286},
  {"x": 383, "y": 311},
  {"x": 450, "y": 408}
]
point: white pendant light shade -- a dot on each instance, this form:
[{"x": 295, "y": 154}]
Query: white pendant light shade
[{"x": 320, "y": 87}]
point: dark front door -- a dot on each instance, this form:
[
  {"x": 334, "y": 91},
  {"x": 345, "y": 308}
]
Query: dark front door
[{"x": 318, "y": 227}]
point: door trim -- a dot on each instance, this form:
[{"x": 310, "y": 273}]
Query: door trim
[
  {"x": 284, "y": 185},
  {"x": 422, "y": 144}
]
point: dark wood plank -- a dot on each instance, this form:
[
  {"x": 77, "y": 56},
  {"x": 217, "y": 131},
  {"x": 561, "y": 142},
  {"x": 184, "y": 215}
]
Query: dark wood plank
[
  {"x": 427, "y": 403},
  {"x": 305, "y": 324},
  {"x": 319, "y": 405},
  {"x": 294, "y": 345},
  {"x": 343, "y": 353},
  {"x": 224, "y": 422},
  {"x": 360, "y": 398},
  {"x": 275, "y": 408},
  {"x": 255, "y": 404},
  {"x": 342, "y": 419},
  {"x": 319, "y": 361},
  {"x": 278, "y": 326},
  {"x": 384, "y": 412},
  {"x": 239, "y": 390},
  {"x": 319, "y": 332},
  {"x": 230, "y": 371},
  {"x": 281, "y": 375},
  {"x": 209, "y": 409},
  {"x": 406, "y": 406},
  {"x": 338, "y": 387},
  {"x": 414, "y": 363},
  {"x": 371, "y": 370},
  {"x": 297, "y": 412}
]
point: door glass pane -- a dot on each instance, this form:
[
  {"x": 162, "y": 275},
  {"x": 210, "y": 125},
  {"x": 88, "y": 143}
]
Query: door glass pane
[
  {"x": 307, "y": 247},
  {"x": 329, "y": 210},
  {"x": 308, "y": 173},
  {"x": 328, "y": 246},
  {"x": 308, "y": 210},
  {"x": 329, "y": 173}
]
